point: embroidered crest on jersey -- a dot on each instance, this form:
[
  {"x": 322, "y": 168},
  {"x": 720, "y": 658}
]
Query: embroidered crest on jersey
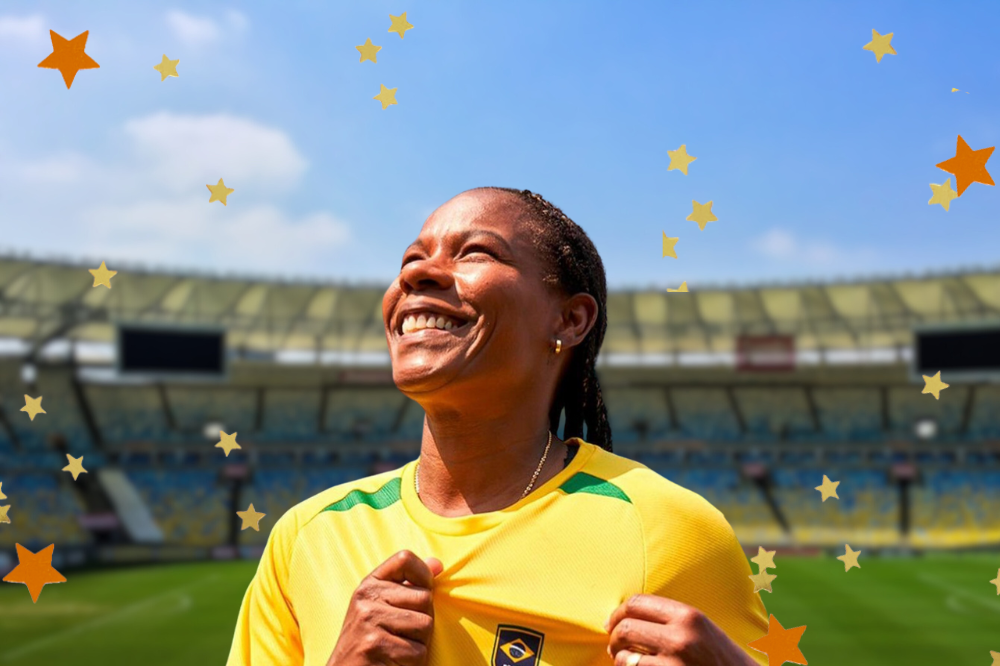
[{"x": 517, "y": 646}]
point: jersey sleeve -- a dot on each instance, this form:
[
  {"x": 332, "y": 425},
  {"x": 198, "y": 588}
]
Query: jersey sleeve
[
  {"x": 267, "y": 632},
  {"x": 693, "y": 556}
]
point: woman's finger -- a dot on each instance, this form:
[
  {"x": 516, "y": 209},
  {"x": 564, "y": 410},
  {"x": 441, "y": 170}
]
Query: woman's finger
[
  {"x": 640, "y": 636},
  {"x": 629, "y": 658},
  {"x": 648, "y": 607}
]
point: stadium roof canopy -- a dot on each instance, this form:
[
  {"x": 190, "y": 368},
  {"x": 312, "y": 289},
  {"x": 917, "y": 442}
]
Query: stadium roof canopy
[{"x": 45, "y": 300}]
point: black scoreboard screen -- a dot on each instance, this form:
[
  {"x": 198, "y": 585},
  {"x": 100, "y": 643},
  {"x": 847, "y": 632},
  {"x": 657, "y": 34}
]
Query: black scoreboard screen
[
  {"x": 168, "y": 351},
  {"x": 958, "y": 352}
]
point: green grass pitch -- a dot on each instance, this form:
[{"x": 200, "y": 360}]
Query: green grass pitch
[{"x": 930, "y": 610}]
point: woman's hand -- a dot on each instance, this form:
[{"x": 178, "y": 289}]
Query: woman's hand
[
  {"x": 390, "y": 617},
  {"x": 669, "y": 633}
]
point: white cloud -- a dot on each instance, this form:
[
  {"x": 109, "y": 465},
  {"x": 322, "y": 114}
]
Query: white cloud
[
  {"x": 28, "y": 29},
  {"x": 185, "y": 151},
  {"x": 149, "y": 202},
  {"x": 190, "y": 232},
  {"x": 781, "y": 244},
  {"x": 200, "y": 30}
]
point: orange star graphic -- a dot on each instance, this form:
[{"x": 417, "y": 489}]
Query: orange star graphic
[
  {"x": 34, "y": 570},
  {"x": 780, "y": 644},
  {"x": 68, "y": 56},
  {"x": 968, "y": 165}
]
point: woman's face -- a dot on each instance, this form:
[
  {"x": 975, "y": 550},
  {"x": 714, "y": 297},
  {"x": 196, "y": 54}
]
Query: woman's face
[{"x": 474, "y": 266}]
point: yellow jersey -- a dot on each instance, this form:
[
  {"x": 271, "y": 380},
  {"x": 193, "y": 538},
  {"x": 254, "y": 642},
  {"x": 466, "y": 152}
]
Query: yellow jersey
[{"x": 529, "y": 585}]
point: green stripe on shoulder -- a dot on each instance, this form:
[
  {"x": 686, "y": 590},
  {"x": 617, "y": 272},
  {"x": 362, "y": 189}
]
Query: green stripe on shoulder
[
  {"x": 586, "y": 483},
  {"x": 385, "y": 496}
]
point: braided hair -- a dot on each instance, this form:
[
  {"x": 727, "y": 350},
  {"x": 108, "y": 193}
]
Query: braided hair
[{"x": 572, "y": 266}]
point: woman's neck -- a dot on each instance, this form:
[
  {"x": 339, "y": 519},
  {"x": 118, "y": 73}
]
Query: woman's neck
[{"x": 480, "y": 469}]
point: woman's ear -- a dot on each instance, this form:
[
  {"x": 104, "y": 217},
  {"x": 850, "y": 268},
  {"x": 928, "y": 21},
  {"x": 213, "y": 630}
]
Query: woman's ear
[{"x": 579, "y": 315}]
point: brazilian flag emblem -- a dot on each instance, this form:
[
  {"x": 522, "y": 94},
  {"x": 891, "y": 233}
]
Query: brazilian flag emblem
[{"x": 517, "y": 646}]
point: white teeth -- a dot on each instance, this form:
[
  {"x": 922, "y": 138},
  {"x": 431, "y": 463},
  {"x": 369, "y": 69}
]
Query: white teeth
[{"x": 411, "y": 323}]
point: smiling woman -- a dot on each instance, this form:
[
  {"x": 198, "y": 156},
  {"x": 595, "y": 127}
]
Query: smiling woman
[{"x": 533, "y": 549}]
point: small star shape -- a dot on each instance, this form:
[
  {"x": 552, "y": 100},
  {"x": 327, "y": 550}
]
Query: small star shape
[
  {"x": 399, "y": 24},
  {"x": 828, "y": 489},
  {"x": 228, "y": 443},
  {"x": 968, "y": 165},
  {"x": 995, "y": 581},
  {"x": 681, "y": 289},
  {"x": 250, "y": 518},
  {"x": 934, "y": 385},
  {"x": 34, "y": 570},
  {"x": 4, "y": 518},
  {"x": 762, "y": 581},
  {"x": 387, "y": 96},
  {"x": 668, "y": 246},
  {"x": 368, "y": 50},
  {"x": 219, "y": 192},
  {"x": 33, "y": 406},
  {"x": 996, "y": 658},
  {"x": 679, "y": 159},
  {"x": 102, "y": 276},
  {"x": 943, "y": 194},
  {"x": 68, "y": 56},
  {"x": 2, "y": 496},
  {"x": 702, "y": 214},
  {"x": 75, "y": 466},
  {"x": 780, "y": 644},
  {"x": 167, "y": 67},
  {"x": 764, "y": 559},
  {"x": 879, "y": 46},
  {"x": 850, "y": 558}
]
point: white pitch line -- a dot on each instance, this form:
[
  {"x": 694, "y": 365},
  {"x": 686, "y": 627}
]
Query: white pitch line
[
  {"x": 948, "y": 587},
  {"x": 102, "y": 620}
]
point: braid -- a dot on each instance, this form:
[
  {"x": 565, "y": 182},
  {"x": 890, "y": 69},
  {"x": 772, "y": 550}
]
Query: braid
[{"x": 573, "y": 266}]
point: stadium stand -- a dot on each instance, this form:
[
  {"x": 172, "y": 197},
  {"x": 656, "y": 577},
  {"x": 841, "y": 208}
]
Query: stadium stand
[{"x": 755, "y": 445}]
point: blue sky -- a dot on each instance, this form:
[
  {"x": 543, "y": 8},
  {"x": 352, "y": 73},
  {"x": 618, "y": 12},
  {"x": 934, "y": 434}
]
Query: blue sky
[{"x": 816, "y": 157}]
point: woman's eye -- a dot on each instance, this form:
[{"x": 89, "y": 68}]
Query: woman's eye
[{"x": 479, "y": 249}]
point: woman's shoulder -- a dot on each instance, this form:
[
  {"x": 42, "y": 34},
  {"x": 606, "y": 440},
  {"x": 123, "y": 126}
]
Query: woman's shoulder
[
  {"x": 650, "y": 492},
  {"x": 382, "y": 486}
]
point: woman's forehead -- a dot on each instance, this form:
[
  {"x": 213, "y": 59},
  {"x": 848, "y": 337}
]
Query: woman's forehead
[{"x": 475, "y": 210}]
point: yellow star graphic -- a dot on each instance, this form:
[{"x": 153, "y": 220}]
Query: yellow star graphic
[
  {"x": 33, "y": 406},
  {"x": 4, "y": 518},
  {"x": 387, "y": 96},
  {"x": 996, "y": 658},
  {"x": 995, "y": 581},
  {"x": 762, "y": 581},
  {"x": 228, "y": 443},
  {"x": 166, "y": 67},
  {"x": 368, "y": 51},
  {"x": 679, "y": 159},
  {"x": 828, "y": 489},
  {"x": 943, "y": 194},
  {"x": 102, "y": 276},
  {"x": 879, "y": 45},
  {"x": 668, "y": 246},
  {"x": 850, "y": 558},
  {"x": 2, "y": 497},
  {"x": 764, "y": 559},
  {"x": 219, "y": 192},
  {"x": 399, "y": 24},
  {"x": 702, "y": 214},
  {"x": 75, "y": 466},
  {"x": 934, "y": 385},
  {"x": 250, "y": 518},
  {"x": 681, "y": 289}
]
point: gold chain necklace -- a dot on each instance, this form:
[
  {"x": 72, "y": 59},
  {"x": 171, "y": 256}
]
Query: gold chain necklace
[{"x": 534, "y": 477}]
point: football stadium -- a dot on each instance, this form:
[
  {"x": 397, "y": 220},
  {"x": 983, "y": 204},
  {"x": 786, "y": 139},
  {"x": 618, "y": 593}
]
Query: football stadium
[{"x": 748, "y": 396}]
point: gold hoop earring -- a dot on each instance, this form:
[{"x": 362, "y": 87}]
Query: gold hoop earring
[{"x": 558, "y": 345}]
